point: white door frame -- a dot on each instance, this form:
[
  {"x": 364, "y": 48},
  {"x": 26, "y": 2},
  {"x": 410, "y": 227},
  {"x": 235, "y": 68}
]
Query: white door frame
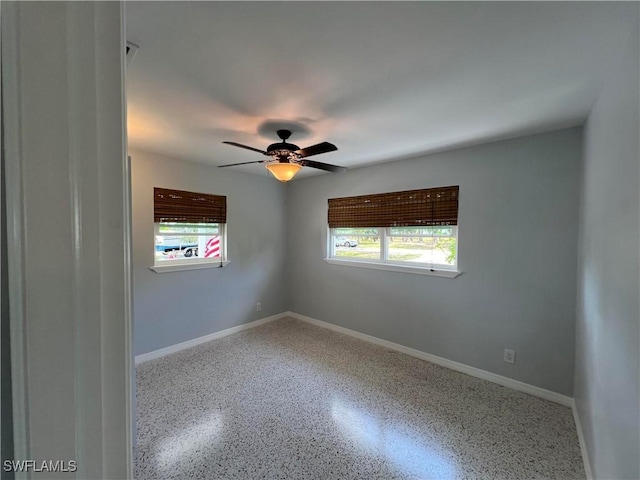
[{"x": 68, "y": 234}]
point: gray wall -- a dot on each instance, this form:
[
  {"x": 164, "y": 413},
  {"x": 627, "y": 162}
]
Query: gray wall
[
  {"x": 170, "y": 308},
  {"x": 517, "y": 248},
  {"x": 608, "y": 320}
]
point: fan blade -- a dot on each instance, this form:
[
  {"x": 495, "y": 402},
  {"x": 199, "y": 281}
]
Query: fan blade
[
  {"x": 243, "y": 163},
  {"x": 248, "y": 148},
  {"x": 323, "y": 166},
  {"x": 323, "y": 147}
]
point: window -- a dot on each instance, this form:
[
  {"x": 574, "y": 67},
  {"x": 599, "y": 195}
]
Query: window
[
  {"x": 428, "y": 247},
  {"x": 189, "y": 229},
  {"x": 416, "y": 229},
  {"x": 188, "y": 241}
]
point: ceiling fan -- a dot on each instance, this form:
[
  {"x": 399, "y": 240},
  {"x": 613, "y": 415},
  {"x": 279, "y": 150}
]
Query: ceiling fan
[{"x": 286, "y": 159}]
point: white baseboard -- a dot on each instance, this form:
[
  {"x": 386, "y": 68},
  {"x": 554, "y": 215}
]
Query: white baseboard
[
  {"x": 460, "y": 367},
  {"x": 583, "y": 445},
  {"x": 145, "y": 357}
]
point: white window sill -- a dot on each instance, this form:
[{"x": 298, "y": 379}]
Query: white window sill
[
  {"x": 187, "y": 266},
  {"x": 395, "y": 268}
]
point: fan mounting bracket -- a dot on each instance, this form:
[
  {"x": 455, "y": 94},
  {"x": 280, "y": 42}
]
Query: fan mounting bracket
[{"x": 284, "y": 134}]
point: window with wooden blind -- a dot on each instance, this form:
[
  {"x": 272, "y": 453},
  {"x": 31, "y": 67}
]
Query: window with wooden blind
[
  {"x": 416, "y": 230},
  {"x": 189, "y": 229}
]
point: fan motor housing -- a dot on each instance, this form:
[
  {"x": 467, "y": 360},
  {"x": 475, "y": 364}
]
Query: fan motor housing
[{"x": 282, "y": 146}]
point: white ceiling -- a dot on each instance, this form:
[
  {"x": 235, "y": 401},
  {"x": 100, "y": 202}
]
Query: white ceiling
[{"x": 381, "y": 80}]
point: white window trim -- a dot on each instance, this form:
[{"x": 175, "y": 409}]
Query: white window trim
[
  {"x": 192, "y": 263},
  {"x": 393, "y": 267},
  {"x": 405, "y": 267}
]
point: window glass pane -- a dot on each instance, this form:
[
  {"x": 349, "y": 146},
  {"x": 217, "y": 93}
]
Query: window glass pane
[
  {"x": 196, "y": 228},
  {"x": 169, "y": 247},
  {"x": 180, "y": 247},
  {"x": 426, "y": 250},
  {"x": 431, "y": 231},
  {"x": 357, "y": 246},
  {"x": 433, "y": 247},
  {"x": 356, "y": 231}
]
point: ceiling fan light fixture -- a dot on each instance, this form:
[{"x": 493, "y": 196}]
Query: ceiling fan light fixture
[
  {"x": 286, "y": 159},
  {"x": 283, "y": 171}
]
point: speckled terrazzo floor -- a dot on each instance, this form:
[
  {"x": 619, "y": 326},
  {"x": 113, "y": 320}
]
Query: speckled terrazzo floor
[{"x": 291, "y": 400}]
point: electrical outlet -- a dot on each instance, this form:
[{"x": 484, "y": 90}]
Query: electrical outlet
[
  {"x": 258, "y": 307},
  {"x": 509, "y": 356}
]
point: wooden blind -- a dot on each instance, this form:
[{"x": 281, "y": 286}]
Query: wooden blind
[
  {"x": 427, "y": 207},
  {"x": 188, "y": 207}
]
